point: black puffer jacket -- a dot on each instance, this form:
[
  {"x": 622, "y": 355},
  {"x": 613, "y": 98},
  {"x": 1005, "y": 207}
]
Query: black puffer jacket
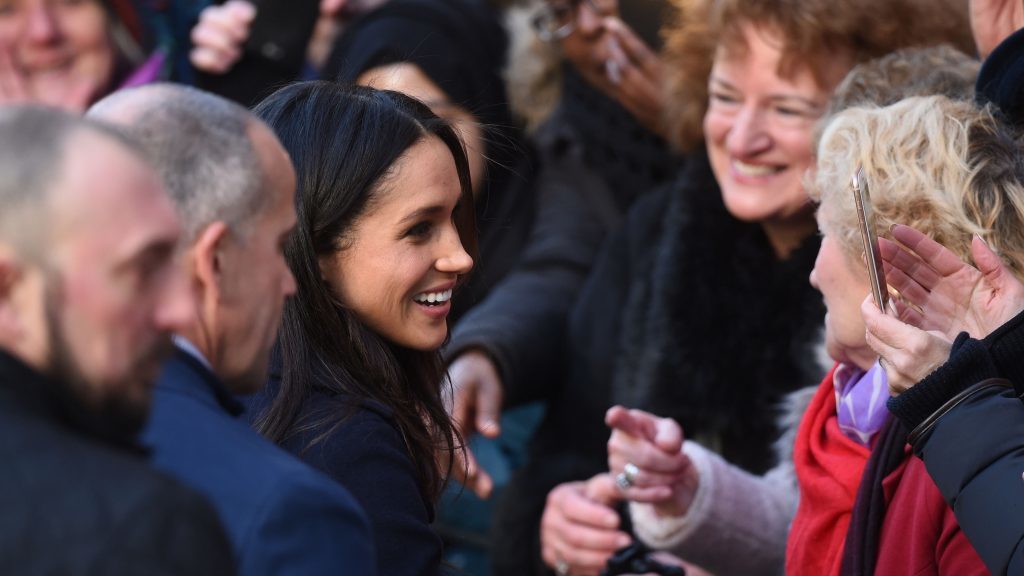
[{"x": 968, "y": 427}]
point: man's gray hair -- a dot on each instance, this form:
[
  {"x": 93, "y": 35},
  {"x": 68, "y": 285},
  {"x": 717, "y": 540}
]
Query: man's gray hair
[
  {"x": 201, "y": 147},
  {"x": 34, "y": 144}
]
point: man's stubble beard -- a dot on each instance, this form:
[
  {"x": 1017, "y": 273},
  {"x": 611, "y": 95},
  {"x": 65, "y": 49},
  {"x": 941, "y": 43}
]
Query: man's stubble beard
[{"x": 111, "y": 414}]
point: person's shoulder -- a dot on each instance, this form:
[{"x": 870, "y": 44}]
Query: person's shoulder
[
  {"x": 362, "y": 420},
  {"x": 348, "y": 433}
]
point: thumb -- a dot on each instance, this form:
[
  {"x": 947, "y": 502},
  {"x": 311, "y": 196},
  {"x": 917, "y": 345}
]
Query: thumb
[
  {"x": 669, "y": 436},
  {"x": 488, "y": 411},
  {"x": 602, "y": 488},
  {"x": 988, "y": 262},
  {"x": 471, "y": 475}
]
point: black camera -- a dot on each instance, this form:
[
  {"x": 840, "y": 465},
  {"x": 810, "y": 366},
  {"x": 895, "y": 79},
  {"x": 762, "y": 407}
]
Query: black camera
[{"x": 636, "y": 559}]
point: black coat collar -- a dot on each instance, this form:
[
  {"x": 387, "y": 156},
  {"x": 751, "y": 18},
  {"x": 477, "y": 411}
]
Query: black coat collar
[{"x": 30, "y": 393}]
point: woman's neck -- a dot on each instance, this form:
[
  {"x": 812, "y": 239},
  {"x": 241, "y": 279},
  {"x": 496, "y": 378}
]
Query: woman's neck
[{"x": 787, "y": 235}]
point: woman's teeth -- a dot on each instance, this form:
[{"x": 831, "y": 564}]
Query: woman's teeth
[
  {"x": 754, "y": 169},
  {"x": 434, "y": 298}
]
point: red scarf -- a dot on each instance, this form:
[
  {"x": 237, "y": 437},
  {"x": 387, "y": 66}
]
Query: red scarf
[{"x": 828, "y": 469}]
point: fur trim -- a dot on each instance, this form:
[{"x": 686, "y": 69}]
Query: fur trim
[
  {"x": 793, "y": 407},
  {"x": 716, "y": 329}
]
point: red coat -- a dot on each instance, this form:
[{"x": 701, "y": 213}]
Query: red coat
[{"x": 919, "y": 536}]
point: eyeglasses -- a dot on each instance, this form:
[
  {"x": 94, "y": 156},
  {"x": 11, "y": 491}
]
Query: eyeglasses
[{"x": 557, "y": 20}]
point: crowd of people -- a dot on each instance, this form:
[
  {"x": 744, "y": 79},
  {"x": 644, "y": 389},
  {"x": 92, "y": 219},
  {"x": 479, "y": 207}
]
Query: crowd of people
[{"x": 572, "y": 287}]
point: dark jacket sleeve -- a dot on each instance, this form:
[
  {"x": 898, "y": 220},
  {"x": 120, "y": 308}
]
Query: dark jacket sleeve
[
  {"x": 999, "y": 355},
  {"x": 366, "y": 455},
  {"x": 521, "y": 324},
  {"x": 968, "y": 427},
  {"x": 975, "y": 455},
  {"x": 177, "y": 533}
]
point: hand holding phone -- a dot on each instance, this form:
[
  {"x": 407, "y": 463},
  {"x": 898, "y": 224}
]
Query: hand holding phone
[{"x": 872, "y": 255}]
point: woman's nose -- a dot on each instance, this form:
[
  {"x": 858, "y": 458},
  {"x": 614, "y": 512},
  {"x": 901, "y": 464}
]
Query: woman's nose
[{"x": 748, "y": 134}]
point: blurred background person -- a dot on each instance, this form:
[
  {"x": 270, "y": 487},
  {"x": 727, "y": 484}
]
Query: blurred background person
[
  {"x": 70, "y": 54},
  {"x": 717, "y": 335},
  {"x": 847, "y": 448},
  {"x": 244, "y": 50}
]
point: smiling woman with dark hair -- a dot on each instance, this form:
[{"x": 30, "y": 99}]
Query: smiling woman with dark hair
[{"x": 385, "y": 233}]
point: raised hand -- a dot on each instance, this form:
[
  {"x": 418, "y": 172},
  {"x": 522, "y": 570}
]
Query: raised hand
[
  {"x": 942, "y": 293},
  {"x": 579, "y": 530},
  {"x": 475, "y": 407},
  {"x": 908, "y": 354},
  {"x": 662, "y": 475},
  {"x": 218, "y": 36},
  {"x": 635, "y": 75}
]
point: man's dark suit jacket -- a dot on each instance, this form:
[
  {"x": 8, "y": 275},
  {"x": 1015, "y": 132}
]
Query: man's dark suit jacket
[
  {"x": 282, "y": 516},
  {"x": 75, "y": 500}
]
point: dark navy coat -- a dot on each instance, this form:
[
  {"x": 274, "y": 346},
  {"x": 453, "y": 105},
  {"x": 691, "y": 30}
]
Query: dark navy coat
[{"x": 282, "y": 516}]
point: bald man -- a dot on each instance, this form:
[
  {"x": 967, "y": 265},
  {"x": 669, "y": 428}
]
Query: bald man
[{"x": 234, "y": 188}]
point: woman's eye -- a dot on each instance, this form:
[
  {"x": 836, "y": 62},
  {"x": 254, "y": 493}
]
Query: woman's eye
[
  {"x": 419, "y": 230},
  {"x": 794, "y": 111},
  {"x": 723, "y": 98}
]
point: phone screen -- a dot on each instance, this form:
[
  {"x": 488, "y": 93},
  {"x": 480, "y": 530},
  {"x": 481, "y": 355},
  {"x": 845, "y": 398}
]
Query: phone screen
[{"x": 869, "y": 240}]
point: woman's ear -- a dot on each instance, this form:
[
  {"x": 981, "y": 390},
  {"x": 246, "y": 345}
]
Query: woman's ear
[{"x": 326, "y": 263}]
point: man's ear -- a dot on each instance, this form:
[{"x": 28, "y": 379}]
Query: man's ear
[
  {"x": 11, "y": 273},
  {"x": 208, "y": 257}
]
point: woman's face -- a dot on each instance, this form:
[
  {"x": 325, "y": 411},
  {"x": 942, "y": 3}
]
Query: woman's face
[
  {"x": 401, "y": 258},
  {"x": 59, "y": 47},
  {"x": 409, "y": 79},
  {"x": 844, "y": 284},
  {"x": 758, "y": 128}
]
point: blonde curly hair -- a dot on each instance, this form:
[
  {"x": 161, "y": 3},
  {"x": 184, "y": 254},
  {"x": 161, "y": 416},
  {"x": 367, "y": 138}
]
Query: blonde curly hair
[
  {"x": 814, "y": 33},
  {"x": 948, "y": 168}
]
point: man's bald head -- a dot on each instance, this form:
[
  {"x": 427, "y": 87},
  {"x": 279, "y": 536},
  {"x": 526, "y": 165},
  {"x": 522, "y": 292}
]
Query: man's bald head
[
  {"x": 200, "y": 144},
  {"x": 34, "y": 145},
  {"x": 88, "y": 289}
]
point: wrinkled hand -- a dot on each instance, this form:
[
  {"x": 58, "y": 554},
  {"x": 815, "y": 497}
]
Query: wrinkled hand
[
  {"x": 666, "y": 478},
  {"x": 580, "y": 527},
  {"x": 907, "y": 353},
  {"x": 993, "y": 20},
  {"x": 947, "y": 295},
  {"x": 634, "y": 76},
  {"x": 475, "y": 407},
  {"x": 218, "y": 36}
]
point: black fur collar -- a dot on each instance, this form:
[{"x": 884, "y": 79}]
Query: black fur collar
[{"x": 718, "y": 329}]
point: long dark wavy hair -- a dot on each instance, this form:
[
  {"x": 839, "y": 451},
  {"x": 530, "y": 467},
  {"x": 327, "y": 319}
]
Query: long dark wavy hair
[{"x": 344, "y": 141}]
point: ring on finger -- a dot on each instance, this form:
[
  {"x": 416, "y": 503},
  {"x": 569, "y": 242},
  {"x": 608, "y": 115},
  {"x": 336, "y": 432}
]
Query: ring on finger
[
  {"x": 561, "y": 567},
  {"x": 625, "y": 479}
]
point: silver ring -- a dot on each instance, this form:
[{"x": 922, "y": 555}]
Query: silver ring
[
  {"x": 625, "y": 479},
  {"x": 562, "y": 567},
  {"x": 613, "y": 70}
]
